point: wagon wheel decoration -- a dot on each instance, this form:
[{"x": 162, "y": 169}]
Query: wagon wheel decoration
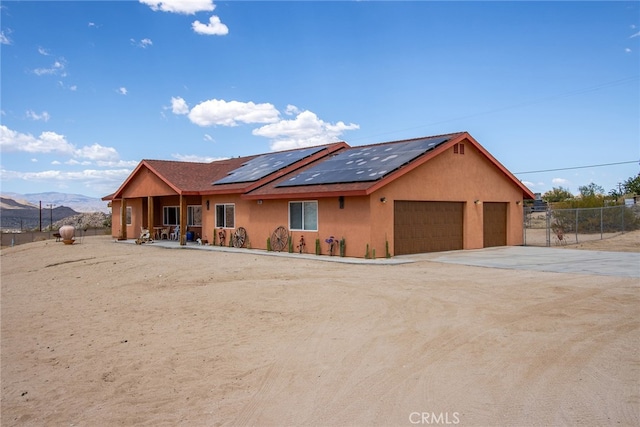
[
  {"x": 239, "y": 237},
  {"x": 279, "y": 238}
]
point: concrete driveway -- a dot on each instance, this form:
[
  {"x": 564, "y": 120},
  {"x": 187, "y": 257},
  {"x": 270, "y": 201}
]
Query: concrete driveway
[{"x": 622, "y": 264}]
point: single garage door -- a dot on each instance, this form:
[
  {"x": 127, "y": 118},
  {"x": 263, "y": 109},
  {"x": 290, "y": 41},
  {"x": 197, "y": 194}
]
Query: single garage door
[
  {"x": 494, "y": 224},
  {"x": 427, "y": 226}
]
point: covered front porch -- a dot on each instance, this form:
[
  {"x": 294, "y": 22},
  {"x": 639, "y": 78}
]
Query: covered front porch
[{"x": 160, "y": 218}]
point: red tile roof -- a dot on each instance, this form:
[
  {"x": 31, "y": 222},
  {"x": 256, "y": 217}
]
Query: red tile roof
[{"x": 189, "y": 178}]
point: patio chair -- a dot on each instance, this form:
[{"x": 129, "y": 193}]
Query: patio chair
[
  {"x": 145, "y": 236},
  {"x": 175, "y": 234},
  {"x": 164, "y": 233}
]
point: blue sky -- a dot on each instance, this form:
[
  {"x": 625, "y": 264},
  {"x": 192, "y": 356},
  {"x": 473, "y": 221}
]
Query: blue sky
[{"x": 88, "y": 89}]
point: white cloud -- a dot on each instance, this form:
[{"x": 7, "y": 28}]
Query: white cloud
[
  {"x": 43, "y": 51},
  {"x": 635, "y": 35},
  {"x": 627, "y": 50},
  {"x": 4, "y": 38},
  {"x": 187, "y": 7},
  {"x": 108, "y": 179},
  {"x": 214, "y": 28},
  {"x": 144, "y": 43},
  {"x": 561, "y": 182},
  {"x": 304, "y": 131},
  {"x": 533, "y": 185},
  {"x": 57, "y": 68},
  {"x": 47, "y": 142},
  {"x": 196, "y": 159},
  {"x": 291, "y": 110},
  {"x": 73, "y": 88},
  {"x": 179, "y": 106},
  {"x": 35, "y": 116},
  {"x": 122, "y": 90},
  {"x": 74, "y": 162},
  {"x": 208, "y": 137},
  {"x": 220, "y": 112},
  {"x": 97, "y": 152},
  {"x": 118, "y": 163},
  {"x": 51, "y": 142}
]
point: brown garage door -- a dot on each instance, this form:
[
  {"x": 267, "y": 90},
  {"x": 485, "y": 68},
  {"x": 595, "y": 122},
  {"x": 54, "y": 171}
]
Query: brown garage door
[
  {"x": 495, "y": 224},
  {"x": 427, "y": 226}
]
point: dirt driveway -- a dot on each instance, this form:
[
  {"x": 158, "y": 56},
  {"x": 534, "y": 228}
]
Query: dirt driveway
[{"x": 113, "y": 334}]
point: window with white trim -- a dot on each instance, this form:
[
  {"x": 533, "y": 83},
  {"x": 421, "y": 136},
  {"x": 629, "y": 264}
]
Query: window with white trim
[
  {"x": 194, "y": 216},
  {"x": 171, "y": 215},
  {"x": 226, "y": 215},
  {"x": 303, "y": 216}
]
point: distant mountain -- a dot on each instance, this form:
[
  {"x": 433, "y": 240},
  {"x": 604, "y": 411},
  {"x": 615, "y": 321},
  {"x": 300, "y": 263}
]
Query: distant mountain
[
  {"x": 22, "y": 211},
  {"x": 15, "y": 215},
  {"x": 77, "y": 202}
]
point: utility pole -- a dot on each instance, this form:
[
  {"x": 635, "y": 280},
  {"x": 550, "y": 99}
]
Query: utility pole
[
  {"x": 50, "y": 216},
  {"x": 40, "y": 216}
]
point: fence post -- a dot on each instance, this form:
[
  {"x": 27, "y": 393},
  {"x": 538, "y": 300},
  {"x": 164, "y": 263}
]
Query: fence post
[
  {"x": 524, "y": 226},
  {"x": 577, "y": 211},
  {"x": 601, "y": 209},
  {"x": 623, "y": 212},
  {"x": 548, "y": 231}
]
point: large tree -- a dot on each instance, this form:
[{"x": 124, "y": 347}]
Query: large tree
[
  {"x": 591, "y": 190},
  {"x": 632, "y": 185},
  {"x": 557, "y": 194}
]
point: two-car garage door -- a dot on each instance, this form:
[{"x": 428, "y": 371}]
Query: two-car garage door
[
  {"x": 438, "y": 226},
  {"x": 427, "y": 226}
]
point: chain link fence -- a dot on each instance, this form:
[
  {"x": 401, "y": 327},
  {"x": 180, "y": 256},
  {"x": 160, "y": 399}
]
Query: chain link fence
[{"x": 553, "y": 227}]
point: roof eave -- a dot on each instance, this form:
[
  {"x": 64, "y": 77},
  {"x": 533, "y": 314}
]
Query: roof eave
[
  {"x": 307, "y": 195},
  {"x": 143, "y": 163}
]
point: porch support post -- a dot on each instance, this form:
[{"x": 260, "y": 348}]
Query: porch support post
[
  {"x": 123, "y": 220},
  {"x": 183, "y": 220},
  {"x": 150, "y": 221}
]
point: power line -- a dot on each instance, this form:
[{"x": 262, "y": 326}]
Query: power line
[{"x": 578, "y": 167}]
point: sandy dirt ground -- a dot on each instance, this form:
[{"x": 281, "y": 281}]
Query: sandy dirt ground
[{"x": 105, "y": 333}]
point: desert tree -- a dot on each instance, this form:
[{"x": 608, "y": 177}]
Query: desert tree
[{"x": 557, "y": 194}]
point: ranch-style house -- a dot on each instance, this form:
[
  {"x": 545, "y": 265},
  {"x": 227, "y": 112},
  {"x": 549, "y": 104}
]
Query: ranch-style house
[{"x": 435, "y": 193}]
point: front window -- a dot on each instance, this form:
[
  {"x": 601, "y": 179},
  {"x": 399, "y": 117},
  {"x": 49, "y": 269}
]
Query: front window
[
  {"x": 303, "y": 216},
  {"x": 171, "y": 215},
  {"x": 129, "y": 214},
  {"x": 194, "y": 216},
  {"x": 225, "y": 216}
]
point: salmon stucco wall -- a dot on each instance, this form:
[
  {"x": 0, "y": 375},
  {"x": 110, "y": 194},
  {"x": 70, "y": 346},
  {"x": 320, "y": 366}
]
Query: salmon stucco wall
[
  {"x": 115, "y": 218},
  {"x": 456, "y": 178},
  {"x": 209, "y": 229},
  {"x": 145, "y": 183},
  {"x": 348, "y": 222},
  {"x": 133, "y": 229}
]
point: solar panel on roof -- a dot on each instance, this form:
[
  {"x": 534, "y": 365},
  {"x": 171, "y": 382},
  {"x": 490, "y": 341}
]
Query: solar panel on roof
[
  {"x": 267, "y": 164},
  {"x": 364, "y": 164}
]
